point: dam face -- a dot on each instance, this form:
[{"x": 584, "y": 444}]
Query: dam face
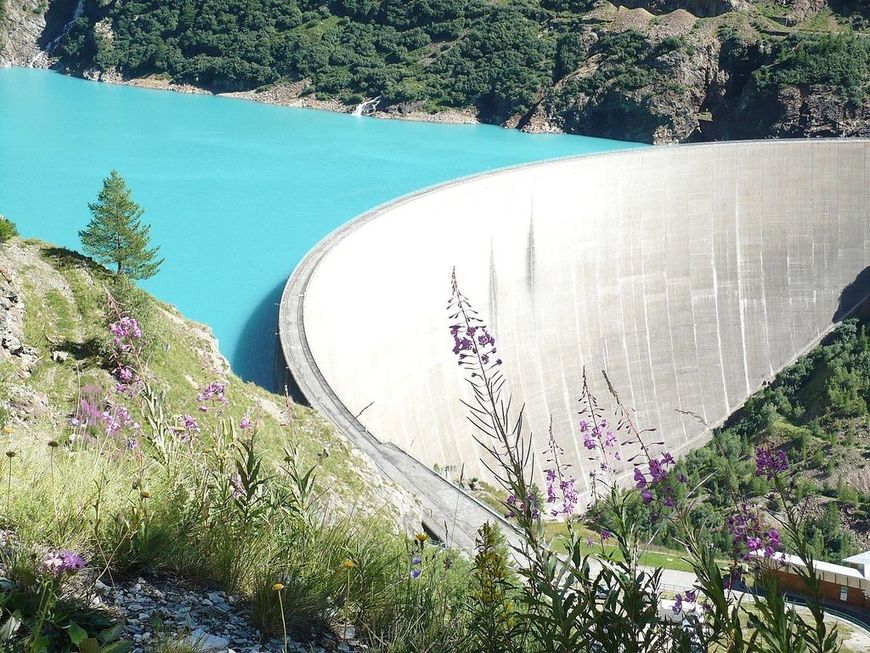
[{"x": 691, "y": 274}]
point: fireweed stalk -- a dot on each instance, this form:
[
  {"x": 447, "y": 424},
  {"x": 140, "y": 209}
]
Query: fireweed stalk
[
  {"x": 612, "y": 603},
  {"x": 563, "y": 611}
]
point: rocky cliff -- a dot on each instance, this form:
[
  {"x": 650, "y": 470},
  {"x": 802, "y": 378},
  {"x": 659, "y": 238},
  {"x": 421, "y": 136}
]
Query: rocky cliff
[{"x": 22, "y": 23}]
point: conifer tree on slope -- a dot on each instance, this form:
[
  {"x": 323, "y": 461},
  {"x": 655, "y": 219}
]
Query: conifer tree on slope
[{"x": 115, "y": 236}]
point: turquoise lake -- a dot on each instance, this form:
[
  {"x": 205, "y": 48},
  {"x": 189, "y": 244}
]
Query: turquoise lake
[{"x": 236, "y": 192}]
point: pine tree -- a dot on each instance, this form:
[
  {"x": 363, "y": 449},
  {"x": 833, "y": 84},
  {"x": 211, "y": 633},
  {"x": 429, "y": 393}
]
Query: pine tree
[{"x": 116, "y": 236}]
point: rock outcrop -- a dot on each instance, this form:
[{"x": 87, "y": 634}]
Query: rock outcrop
[
  {"x": 791, "y": 112},
  {"x": 22, "y": 23},
  {"x": 659, "y": 99},
  {"x": 676, "y": 77}
]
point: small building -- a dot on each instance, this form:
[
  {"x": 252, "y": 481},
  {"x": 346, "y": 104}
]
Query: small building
[{"x": 848, "y": 584}]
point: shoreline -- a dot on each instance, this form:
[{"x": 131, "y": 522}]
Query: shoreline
[{"x": 287, "y": 94}]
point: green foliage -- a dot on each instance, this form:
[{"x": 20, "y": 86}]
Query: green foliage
[
  {"x": 838, "y": 60},
  {"x": 493, "y": 623},
  {"x": 497, "y": 57},
  {"x": 116, "y": 236},
  {"x": 499, "y": 66},
  {"x": 614, "y": 604},
  {"x": 8, "y": 229},
  {"x": 811, "y": 411}
]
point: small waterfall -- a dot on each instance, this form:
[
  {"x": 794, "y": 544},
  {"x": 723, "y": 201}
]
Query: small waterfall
[
  {"x": 367, "y": 107},
  {"x": 51, "y": 47}
]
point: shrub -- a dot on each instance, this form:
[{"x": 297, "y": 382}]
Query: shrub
[
  {"x": 838, "y": 60},
  {"x": 8, "y": 230},
  {"x": 493, "y": 620}
]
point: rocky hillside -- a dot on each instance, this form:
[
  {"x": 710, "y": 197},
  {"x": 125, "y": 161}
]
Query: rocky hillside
[
  {"x": 52, "y": 317},
  {"x": 22, "y": 23},
  {"x": 659, "y": 71},
  {"x": 754, "y": 71}
]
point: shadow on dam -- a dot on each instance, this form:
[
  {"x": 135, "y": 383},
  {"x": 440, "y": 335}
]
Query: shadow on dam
[
  {"x": 256, "y": 357},
  {"x": 854, "y": 298}
]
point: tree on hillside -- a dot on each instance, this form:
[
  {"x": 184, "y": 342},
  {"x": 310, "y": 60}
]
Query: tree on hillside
[{"x": 116, "y": 236}]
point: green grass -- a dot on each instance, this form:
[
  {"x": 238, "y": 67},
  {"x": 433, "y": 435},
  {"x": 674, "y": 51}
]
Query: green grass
[
  {"x": 653, "y": 557},
  {"x": 656, "y": 556},
  {"x": 180, "y": 361}
]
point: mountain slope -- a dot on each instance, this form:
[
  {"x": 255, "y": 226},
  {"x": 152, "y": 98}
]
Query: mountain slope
[
  {"x": 52, "y": 320},
  {"x": 648, "y": 70}
]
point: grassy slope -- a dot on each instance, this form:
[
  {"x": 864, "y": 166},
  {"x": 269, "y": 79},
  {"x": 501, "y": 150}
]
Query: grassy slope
[
  {"x": 203, "y": 509},
  {"x": 64, "y": 298}
]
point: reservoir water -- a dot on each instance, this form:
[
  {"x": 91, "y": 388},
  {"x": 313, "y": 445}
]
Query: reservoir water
[{"x": 236, "y": 192}]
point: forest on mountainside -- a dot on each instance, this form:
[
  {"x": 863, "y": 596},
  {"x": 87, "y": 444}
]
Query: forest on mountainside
[{"x": 582, "y": 66}]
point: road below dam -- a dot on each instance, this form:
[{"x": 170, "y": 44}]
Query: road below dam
[{"x": 691, "y": 274}]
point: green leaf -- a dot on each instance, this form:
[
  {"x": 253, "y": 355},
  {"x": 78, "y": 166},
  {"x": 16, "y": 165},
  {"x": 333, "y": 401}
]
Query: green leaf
[
  {"x": 111, "y": 634},
  {"x": 118, "y": 647},
  {"x": 10, "y": 627},
  {"x": 40, "y": 644},
  {"x": 89, "y": 645},
  {"x": 76, "y": 633}
]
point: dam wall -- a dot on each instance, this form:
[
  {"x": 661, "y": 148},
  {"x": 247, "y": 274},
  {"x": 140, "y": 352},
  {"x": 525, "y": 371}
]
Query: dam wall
[{"x": 691, "y": 274}]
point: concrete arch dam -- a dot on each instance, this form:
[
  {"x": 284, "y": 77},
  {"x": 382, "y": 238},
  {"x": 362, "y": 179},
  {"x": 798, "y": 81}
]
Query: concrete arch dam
[{"x": 692, "y": 274}]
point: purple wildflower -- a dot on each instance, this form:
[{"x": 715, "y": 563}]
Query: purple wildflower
[
  {"x": 473, "y": 343},
  {"x": 415, "y": 573},
  {"x": 770, "y": 463},
  {"x": 64, "y": 561},
  {"x": 559, "y": 482},
  {"x": 117, "y": 418},
  {"x": 588, "y": 441},
  {"x": 657, "y": 470},
  {"x": 640, "y": 479},
  {"x": 214, "y": 392},
  {"x": 678, "y": 604},
  {"x": 125, "y": 330}
]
